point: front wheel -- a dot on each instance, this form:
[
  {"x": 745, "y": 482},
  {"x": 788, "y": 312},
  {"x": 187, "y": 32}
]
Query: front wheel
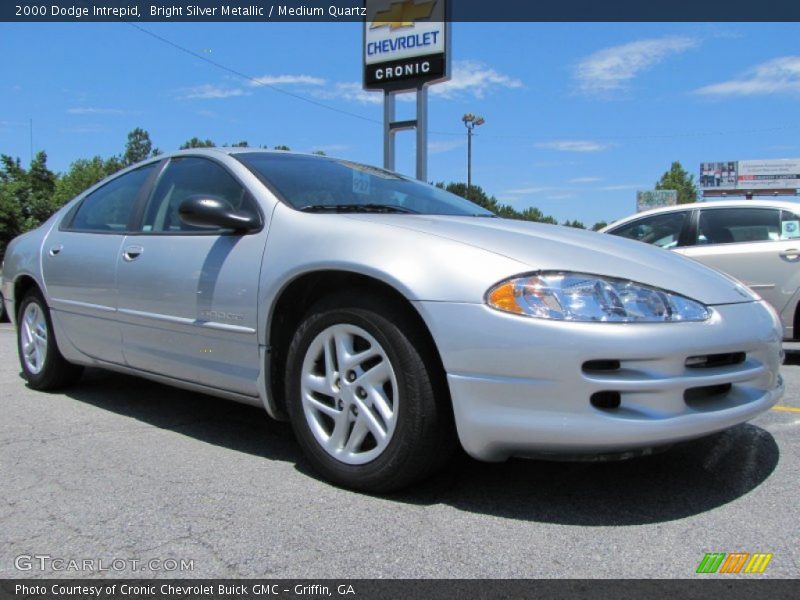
[
  {"x": 42, "y": 364},
  {"x": 362, "y": 401}
]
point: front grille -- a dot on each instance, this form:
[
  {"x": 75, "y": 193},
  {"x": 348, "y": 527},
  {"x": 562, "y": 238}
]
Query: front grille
[
  {"x": 606, "y": 400},
  {"x": 711, "y": 361},
  {"x": 605, "y": 364},
  {"x": 646, "y": 387},
  {"x": 699, "y": 395}
]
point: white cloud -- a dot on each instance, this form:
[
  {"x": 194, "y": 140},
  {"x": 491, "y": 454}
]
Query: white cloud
[
  {"x": 475, "y": 78},
  {"x": 558, "y": 192},
  {"x": 585, "y": 180},
  {"x": 777, "y": 76},
  {"x": 84, "y": 129},
  {"x": 351, "y": 91},
  {"x": 574, "y": 146},
  {"x": 286, "y": 80},
  {"x": 623, "y": 186},
  {"x": 533, "y": 190},
  {"x": 88, "y": 110},
  {"x": 207, "y": 91},
  {"x": 439, "y": 146},
  {"x": 612, "y": 69}
]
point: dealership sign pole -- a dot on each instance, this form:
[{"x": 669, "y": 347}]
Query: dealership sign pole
[{"x": 406, "y": 48}]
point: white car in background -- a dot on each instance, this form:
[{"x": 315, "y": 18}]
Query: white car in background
[{"x": 756, "y": 241}]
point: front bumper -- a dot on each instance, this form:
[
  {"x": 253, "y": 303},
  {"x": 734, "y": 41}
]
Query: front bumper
[{"x": 524, "y": 387}]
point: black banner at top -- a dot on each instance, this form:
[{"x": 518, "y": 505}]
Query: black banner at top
[{"x": 353, "y": 10}]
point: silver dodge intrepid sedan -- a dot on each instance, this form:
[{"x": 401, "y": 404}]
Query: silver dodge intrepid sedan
[{"x": 387, "y": 319}]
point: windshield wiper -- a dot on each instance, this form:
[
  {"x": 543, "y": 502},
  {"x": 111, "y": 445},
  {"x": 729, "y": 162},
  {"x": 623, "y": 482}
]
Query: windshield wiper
[{"x": 345, "y": 208}]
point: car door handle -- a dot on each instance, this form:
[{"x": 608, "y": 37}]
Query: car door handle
[
  {"x": 132, "y": 253},
  {"x": 56, "y": 249},
  {"x": 791, "y": 253}
]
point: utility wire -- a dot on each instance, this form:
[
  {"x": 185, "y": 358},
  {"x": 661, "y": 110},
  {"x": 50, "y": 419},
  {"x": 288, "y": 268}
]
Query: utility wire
[
  {"x": 354, "y": 115},
  {"x": 255, "y": 80}
]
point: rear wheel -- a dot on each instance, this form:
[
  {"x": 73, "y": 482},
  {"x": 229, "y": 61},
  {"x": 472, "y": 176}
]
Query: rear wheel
[
  {"x": 42, "y": 364},
  {"x": 362, "y": 400}
]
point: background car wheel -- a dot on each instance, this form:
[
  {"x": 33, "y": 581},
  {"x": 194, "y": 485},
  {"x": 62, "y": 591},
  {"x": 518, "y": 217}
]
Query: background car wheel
[
  {"x": 364, "y": 405},
  {"x": 3, "y": 315},
  {"x": 43, "y": 366}
]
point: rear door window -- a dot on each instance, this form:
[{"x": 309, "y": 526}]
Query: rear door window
[
  {"x": 737, "y": 225},
  {"x": 790, "y": 225},
  {"x": 109, "y": 208}
]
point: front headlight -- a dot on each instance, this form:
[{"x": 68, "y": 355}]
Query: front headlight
[{"x": 593, "y": 298}]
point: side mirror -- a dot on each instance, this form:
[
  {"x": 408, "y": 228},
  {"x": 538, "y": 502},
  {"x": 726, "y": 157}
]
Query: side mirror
[{"x": 208, "y": 211}]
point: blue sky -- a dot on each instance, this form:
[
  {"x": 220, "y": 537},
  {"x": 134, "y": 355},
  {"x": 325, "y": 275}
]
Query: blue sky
[{"x": 578, "y": 116}]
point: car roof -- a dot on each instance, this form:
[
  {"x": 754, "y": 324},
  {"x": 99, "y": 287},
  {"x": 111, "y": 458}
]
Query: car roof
[
  {"x": 217, "y": 150},
  {"x": 785, "y": 204}
]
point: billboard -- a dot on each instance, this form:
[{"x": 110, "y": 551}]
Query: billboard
[
  {"x": 769, "y": 174},
  {"x": 782, "y": 173},
  {"x": 718, "y": 175},
  {"x": 405, "y": 44},
  {"x": 648, "y": 199}
]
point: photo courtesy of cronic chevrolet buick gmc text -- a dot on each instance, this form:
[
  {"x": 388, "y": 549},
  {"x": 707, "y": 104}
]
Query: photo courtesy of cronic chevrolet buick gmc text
[{"x": 387, "y": 319}]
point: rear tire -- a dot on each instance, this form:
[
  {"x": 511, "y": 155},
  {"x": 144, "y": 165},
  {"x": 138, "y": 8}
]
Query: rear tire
[
  {"x": 43, "y": 365},
  {"x": 365, "y": 407}
]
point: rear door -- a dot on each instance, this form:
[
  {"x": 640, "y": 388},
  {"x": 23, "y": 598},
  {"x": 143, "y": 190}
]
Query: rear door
[
  {"x": 759, "y": 246},
  {"x": 188, "y": 296},
  {"x": 79, "y": 262}
]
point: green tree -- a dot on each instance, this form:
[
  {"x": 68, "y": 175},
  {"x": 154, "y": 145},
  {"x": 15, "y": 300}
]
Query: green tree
[
  {"x": 476, "y": 194},
  {"x": 574, "y": 223},
  {"x": 197, "y": 143},
  {"x": 138, "y": 147},
  {"x": 82, "y": 174},
  {"x": 678, "y": 178},
  {"x": 599, "y": 225},
  {"x": 282, "y": 147},
  {"x": 26, "y": 196}
]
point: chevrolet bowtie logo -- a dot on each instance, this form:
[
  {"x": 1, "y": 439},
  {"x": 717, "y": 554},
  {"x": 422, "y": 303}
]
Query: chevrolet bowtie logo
[{"x": 403, "y": 14}]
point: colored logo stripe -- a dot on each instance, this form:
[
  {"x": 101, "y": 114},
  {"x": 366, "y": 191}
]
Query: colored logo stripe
[
  {"x": 734, "y": 562},
  {"x": 714, "y": 562},
  {"x": 758, "y": 563},
  {"x": 711, "y": 562}
]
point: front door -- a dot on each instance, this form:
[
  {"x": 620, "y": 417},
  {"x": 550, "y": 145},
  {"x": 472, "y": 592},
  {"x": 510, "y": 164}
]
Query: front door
[{"x": 188, "y": 296}]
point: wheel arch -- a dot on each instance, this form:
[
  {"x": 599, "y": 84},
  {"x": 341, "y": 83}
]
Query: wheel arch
[
  {"x": 23, "y": 284},
  {"x": 297, "y": 297}
]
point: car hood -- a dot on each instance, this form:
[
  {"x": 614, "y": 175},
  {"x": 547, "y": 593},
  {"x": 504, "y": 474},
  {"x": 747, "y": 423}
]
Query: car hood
[{"x": 551, "y": 247}]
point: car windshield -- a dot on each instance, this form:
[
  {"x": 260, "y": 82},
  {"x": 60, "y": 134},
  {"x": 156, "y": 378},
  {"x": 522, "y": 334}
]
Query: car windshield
[{"x": 319, "y": 184}]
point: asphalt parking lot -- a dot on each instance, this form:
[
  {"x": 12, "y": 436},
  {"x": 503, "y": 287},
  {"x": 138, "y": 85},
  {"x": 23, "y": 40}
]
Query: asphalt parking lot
[{"x": 118, "y": 468}]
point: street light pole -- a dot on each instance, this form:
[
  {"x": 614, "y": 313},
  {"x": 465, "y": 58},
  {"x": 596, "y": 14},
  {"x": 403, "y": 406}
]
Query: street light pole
[{"x": 470, "y": 122}]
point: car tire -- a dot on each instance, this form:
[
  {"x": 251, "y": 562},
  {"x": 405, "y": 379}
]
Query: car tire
[
  {"x": 364, "y": 400},
  {"x": 43, "y": 365}
]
